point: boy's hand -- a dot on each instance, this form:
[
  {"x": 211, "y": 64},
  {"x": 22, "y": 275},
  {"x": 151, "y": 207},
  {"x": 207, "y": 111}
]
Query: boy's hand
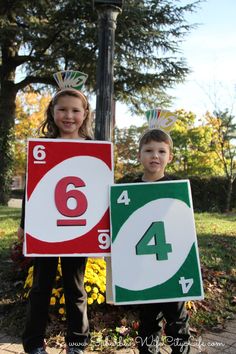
[{"x": 20, "y": 234}]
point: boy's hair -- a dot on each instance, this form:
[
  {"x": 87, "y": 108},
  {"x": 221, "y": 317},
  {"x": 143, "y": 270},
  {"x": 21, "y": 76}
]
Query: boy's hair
[
  {"x": 48, "y": 127},
  {"x": 155, "y": 135}
]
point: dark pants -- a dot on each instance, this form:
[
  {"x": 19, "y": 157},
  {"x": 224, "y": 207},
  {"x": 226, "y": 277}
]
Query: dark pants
[
  {"x": 45, "y": 269},
  {"x": 176, "y": 327}
]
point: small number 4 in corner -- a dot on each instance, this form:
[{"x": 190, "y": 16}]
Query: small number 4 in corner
[
  {"x": 123, "y": 198},
  {"x": 186, "y": 284}
]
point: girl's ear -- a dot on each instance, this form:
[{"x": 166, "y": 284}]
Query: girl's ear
[
  {"x": 86, "y": 113},
  {"x": 138, "y": 156}
]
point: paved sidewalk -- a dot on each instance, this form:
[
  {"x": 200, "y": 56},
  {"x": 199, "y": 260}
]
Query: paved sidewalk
[
  {"x": 15, "y": 203},
  {"x": 212, "y": 342}
]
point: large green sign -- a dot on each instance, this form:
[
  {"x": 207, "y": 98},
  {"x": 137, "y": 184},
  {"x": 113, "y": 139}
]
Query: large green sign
[{"x": 154, "y": 252}]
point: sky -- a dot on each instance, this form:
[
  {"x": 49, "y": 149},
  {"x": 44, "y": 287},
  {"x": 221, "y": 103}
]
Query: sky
[{"x": 210, "y": 53}]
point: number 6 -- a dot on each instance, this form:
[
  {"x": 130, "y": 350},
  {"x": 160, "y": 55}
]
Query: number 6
[{"x": 62, "y": 196}]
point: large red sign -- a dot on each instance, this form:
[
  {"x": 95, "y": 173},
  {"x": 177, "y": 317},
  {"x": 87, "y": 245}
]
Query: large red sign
[{"x": 67, "y": 202}]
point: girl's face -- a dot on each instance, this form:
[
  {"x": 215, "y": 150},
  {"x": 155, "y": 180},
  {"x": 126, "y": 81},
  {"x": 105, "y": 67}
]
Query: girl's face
[
  {"x": 154, "y": 156},
  {"x": 69, "y": 115}
]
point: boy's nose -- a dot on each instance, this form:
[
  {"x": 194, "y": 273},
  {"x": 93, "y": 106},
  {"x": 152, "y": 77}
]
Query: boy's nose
[{"x": 155, "y": 154}]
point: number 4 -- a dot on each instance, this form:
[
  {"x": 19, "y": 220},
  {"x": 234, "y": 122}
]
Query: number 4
[
  {"x": 160, "y": 248},
  {"x": 186, "y": 284},
  {"x": 123, "y": 198}
]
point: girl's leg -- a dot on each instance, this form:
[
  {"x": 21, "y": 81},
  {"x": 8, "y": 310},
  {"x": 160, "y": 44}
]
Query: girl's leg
[
  {"x": 39, "y": 298},
  {"x": 73, "y": 269}
]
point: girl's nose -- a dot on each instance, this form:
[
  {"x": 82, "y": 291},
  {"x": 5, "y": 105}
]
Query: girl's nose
[{"x": 69, "y": 114}]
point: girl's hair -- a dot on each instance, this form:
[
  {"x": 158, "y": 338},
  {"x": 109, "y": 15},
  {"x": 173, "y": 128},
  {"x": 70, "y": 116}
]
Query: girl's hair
[
  {"x": 48, "y": 127},
  {"x": 155, "y": 135}
]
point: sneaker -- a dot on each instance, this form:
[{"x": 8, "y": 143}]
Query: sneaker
[
  {"x": 74, "y": 350},
  {"x": 40, "y": 350}
]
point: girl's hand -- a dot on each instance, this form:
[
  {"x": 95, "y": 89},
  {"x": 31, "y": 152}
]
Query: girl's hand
[{"x": 20, "y": 234}]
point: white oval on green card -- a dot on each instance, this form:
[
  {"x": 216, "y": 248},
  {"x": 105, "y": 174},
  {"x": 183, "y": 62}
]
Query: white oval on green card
[{"x": 143, "y": 271}]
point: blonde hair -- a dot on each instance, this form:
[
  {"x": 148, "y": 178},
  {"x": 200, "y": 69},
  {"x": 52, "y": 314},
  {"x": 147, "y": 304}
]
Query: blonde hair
[
  {"x": 48, "y": 127},
  {"x": 155, "y": 135}
]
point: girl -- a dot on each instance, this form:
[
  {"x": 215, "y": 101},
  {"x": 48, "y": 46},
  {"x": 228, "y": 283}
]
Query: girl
[{"x": 68, "y": 116}]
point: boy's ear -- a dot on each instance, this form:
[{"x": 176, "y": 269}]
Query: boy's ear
[{"x": 170, "y": 157}]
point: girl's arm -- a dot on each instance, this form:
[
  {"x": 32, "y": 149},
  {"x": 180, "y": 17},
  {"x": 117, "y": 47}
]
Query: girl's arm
[
  {"x": 20, "y": 234},
  {"x": 20, "y": 231}
]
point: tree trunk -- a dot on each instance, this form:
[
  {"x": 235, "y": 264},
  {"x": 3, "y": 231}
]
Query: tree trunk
[
  {"x": 7, "y": 119},
  {"x": 229, "y": 194}
]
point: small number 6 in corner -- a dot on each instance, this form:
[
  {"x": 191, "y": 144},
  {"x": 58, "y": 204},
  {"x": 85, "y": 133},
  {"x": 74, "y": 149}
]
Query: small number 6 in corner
[{"x": 104, "y": 239}]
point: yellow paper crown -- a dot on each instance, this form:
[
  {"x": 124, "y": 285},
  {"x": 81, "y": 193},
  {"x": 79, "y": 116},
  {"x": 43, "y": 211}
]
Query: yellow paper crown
[
  {"x": 70, "y": 79},
  {"x": 161, "y": 119}
]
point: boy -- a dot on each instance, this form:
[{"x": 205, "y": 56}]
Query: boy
[{"x": 155, "y": 153}]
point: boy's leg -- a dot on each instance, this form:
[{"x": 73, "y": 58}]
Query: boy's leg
[
  {"x": 177, "y": 327},
  {"x": 73, "y": 269},
  {"x": 39, "y": 298},
  {"x": 150, "y": 329}
]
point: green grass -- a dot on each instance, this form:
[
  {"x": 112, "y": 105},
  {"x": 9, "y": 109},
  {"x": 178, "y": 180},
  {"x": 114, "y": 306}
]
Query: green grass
[
  {"x": 217, "y": 241},
  {"x": 9, "y": 222},
  {"x": 217, "y": 248}
]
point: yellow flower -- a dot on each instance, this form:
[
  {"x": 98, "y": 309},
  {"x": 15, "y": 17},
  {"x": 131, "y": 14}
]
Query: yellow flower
[
  {"x": 52, "y": 301},
  {"x": 56, "y": 292},
  {"x": 190, "y": 305},
  {"x": 90, "y": 301},
  {"x": 31, "y": 269},
  {"x": 100, "y": 299},
  {"x": 94, "y": 296},
  {"x": 61, "y": 311},
  {"x": 88, "y": 288},
  {"x": 95, "y": 289},
  {"x": 62, "y": 300}
]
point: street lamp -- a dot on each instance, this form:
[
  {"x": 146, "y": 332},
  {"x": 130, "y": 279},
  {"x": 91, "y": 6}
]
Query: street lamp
[{"x": 107, "y": 13}]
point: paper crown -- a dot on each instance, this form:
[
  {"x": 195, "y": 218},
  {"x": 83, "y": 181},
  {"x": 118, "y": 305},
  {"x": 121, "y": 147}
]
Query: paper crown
[
  {"x": 70, "y": 79},
  {"x": 161, "y": 119}
]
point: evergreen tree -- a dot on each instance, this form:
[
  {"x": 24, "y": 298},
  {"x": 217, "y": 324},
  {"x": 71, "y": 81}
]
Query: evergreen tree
[{"x": 40, "y": 37}]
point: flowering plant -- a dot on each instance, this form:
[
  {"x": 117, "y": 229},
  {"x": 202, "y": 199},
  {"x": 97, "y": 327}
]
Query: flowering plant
[{"x": 94, "y": 282}]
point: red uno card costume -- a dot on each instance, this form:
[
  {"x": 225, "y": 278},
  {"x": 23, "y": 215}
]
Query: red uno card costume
[{"x": 67, "y": 211}]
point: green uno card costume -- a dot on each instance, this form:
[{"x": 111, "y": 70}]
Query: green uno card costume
[{"x": 153, "y": 231}]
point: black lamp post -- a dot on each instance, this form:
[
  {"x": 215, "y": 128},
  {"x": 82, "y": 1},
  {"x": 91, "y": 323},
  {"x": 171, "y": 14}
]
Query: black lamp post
[{"x": 107, "y": 13}]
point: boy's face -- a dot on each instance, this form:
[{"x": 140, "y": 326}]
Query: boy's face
[{"x": 154, "y": 156}]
